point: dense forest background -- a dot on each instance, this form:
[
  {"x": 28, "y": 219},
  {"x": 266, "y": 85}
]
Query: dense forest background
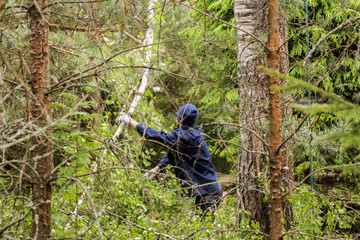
[{"x": 68, "y": 170}]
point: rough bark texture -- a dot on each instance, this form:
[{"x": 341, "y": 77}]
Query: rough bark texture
[
  {"x": 275, "y": 160},
  {"x": 252, "y": 92},
  {"x": 42, "y": 154}
]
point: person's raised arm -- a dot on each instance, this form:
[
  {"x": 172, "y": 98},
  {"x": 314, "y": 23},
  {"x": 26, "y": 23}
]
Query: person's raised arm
[{"x": 148, "y": 132}]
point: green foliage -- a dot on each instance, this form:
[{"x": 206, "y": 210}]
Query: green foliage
[
  {"x": 212, "y": 49},
  {"x": 346, "y": 137},
  {"x": 350, "y": 136},
  {"x": 333, "y": 62},
  {"x": 319, "y": 216}
]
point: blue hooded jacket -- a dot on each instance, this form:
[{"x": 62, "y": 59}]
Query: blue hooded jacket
[{"x": 188, "y": 153}]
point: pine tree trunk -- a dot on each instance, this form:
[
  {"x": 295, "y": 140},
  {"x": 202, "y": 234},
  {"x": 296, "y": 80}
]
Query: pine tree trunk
[
  {"x": 42, "y": 154},
  {"x": 275, "y": 160}
]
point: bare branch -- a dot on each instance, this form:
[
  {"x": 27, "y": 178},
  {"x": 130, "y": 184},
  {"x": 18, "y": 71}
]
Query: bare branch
[
  {"x": 230, "y": 230},
  {"x": 61, "y": 165},
  {"x": 73, "y": 2},
  {"x": 341, "y": 26},
  {"x": 41, "y": 130},
  {"x": 292, "y": 134},
  {"x": 2, "y": 57},
  {"x": 87, "y": 29},
  {"x": 301, "y": 232},
  {"x": 103, "y": 63}
]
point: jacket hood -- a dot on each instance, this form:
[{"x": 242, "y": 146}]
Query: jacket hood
[{"x": 187, "y": 115}]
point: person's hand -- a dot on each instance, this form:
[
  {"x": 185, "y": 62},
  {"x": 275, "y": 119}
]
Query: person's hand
[
  {"x": 151, "y": 174},
  {"x": 123, "y": 117}
]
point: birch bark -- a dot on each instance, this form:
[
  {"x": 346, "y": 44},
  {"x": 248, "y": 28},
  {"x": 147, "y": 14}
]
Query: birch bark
[{"x": 149, "y": 39}]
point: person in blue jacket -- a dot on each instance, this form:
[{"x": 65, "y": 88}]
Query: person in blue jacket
[{"x": 188, "y": 153}]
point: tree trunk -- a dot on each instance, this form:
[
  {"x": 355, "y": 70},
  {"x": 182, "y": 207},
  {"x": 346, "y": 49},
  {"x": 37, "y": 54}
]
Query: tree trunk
[
  {"x": 275, "y": 160},
  {"x": 42, "y": 155},
  {"x": 252, "y": 94}
]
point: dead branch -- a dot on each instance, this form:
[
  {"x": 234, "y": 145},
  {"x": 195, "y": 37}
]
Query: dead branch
[
  {"x": 102, "y": 63},
  {"x": 82, "y": 29},
  {"x": 88, "y": 29},
  {"x": 73, "y": 2},
  {"x": 2, "y": 57},
  {"x": 63, "y": 50},
  {"x": 228, "y": 230},
  {"x": 43, "y": 129},
  {"x": 85, "y": 192}
]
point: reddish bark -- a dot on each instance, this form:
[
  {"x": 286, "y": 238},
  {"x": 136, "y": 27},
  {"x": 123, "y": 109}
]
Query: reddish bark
[
  {"x": 41, "y": 113},
  {"x": 275, "y": 162}
]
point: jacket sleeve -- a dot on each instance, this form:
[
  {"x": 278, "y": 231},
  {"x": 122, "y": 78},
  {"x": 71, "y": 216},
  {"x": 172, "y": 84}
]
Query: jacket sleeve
[
  {"x": 161, "y": 137},
  {"x": 164, "y": 161}
]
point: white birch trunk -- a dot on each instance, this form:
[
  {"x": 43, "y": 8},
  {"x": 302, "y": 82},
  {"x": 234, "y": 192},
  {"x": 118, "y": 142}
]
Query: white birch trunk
[{"x": 149, "y": 39}]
